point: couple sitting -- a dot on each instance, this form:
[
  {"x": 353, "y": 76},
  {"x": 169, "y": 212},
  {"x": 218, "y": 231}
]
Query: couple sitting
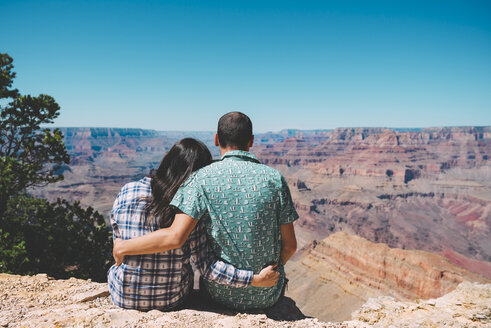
[{"x": 233, "y": 218}]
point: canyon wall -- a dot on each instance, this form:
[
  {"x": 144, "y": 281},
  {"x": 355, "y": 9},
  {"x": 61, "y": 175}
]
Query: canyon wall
[
  {"x": 334, "y": 277},
  {"x": 427, "y": 189}
]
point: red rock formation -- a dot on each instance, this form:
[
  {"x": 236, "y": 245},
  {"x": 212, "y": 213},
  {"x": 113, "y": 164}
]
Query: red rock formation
[
  {"x": 480, "y": 267},
  {"x": 406, "y": 274},
  {"x": 371, "y": 152},
  {"x": 342, "y": 271},
  {"x": 426, "y": 189}
]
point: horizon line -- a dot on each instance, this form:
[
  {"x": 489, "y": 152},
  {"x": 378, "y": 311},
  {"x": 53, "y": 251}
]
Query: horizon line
[{"x": 273, "y": 131}]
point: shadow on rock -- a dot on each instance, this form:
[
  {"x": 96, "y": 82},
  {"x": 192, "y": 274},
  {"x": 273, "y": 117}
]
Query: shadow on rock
[{"x": 284, "y": 310}]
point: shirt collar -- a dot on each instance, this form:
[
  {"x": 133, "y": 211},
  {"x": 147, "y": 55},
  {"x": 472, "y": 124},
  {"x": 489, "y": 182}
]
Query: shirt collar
[{"x": 241, "y": 154}]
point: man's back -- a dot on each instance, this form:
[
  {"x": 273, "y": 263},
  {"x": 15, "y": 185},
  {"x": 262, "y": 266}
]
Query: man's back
[{"x": 247, "y": 202}]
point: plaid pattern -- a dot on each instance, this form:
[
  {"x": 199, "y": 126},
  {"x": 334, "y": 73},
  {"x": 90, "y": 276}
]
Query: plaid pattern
[{"x": 161, "y": 280}]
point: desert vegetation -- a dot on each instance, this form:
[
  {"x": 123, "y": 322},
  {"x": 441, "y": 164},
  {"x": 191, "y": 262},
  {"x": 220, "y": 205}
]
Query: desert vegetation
[{"x": 59, "y": 238}]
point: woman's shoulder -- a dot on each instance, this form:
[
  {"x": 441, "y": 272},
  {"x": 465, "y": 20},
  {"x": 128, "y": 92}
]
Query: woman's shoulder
[
  {"x": 141, "y": 186},
  {"x": 131, "y": 194}
]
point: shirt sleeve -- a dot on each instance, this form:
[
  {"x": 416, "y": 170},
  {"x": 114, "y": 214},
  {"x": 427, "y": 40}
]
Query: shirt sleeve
[
  {"x": 189, "y": 199},
  {"x": 288, "y": 214},
  {"x": 114, "y": 213},
  {"x": 210, "y": 267}
]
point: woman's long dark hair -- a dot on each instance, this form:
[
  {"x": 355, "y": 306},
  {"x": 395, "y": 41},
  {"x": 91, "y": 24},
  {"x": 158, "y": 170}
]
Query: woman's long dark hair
[{"x": 185, "y": 157}]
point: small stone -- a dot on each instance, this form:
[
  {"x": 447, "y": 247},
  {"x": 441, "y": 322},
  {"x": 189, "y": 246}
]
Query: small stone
[{"x": 92, "y": 294}]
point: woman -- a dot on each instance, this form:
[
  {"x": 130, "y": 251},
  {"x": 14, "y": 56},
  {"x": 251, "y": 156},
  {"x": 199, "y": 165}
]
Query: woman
[{"x": 164, "y": 280}]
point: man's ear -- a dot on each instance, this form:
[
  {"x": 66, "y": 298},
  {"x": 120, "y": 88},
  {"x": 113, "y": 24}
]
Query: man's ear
[
  {"x": 251, "y": 142},
  {"x": 217, "y": 143}
]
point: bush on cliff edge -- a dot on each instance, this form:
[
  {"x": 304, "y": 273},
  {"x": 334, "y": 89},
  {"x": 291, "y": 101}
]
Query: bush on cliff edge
[{"x": 60, "y": 239}]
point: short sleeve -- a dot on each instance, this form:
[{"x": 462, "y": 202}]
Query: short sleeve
[
  {"x": 288, "y": 214},
  {"x": 189, "y": 199}
]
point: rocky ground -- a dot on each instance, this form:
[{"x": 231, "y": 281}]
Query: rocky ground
[
  {"x": 469, "y": 305},
  {"x": 40, "y": 301}
]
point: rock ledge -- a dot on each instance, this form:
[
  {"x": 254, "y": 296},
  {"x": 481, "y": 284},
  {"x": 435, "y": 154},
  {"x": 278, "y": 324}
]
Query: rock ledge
[{"x": 40, "y": 301}]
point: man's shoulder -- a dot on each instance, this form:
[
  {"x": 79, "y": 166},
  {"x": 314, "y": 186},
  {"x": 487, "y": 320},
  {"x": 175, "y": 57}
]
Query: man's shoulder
[
  {"x": 193, "y": 179},
  {"x": 221, "y": 166},
  {"x": 269, "y": 170},
  {"x": 266, "y": 171},
  {"x": 212, "y": 170},
  {"x": 220, "y": 169}
]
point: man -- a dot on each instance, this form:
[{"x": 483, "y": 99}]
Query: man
[{"x": 250, "y": 216}]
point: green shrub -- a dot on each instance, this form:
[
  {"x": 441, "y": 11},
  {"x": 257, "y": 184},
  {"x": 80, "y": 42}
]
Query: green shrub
[
  {"x": 60, "y": 239},
  {"x": 36, "y": 236}
]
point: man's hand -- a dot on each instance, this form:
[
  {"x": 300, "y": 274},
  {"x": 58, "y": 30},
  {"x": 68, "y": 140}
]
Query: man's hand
[
  {"x": 268, "y": 277},
  {"x": 118, "y": 257}
]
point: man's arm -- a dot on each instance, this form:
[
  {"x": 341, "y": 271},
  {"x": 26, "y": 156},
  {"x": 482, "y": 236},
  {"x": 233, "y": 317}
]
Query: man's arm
[
  {"x": 158, "y": 241},
  {"x": 213, "y": 269},
  {"x": 288, "y": 215},
  {"x": 288, "y": 242}
]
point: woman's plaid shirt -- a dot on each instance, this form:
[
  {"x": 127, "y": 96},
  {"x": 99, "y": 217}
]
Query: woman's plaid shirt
[{"x": 161, "y": 280}]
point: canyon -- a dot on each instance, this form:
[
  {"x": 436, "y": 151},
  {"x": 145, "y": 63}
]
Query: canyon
[
  {"x": 342, "y": 272},
  {"x": 404, "y": 213},
  {"x": 428, "y": 189}
]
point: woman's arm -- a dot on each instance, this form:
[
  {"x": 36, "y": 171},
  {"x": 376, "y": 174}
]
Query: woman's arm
[{"x": 227, "y": 274}]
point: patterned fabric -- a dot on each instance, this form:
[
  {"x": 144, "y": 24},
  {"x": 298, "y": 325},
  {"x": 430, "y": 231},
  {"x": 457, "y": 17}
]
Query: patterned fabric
[
  {"x": 242, "y": 204},
  {"x": 162, "y": 280}
]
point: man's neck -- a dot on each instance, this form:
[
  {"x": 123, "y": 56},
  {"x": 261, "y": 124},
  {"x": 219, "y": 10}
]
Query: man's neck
[{"x": 223, "y": 151}]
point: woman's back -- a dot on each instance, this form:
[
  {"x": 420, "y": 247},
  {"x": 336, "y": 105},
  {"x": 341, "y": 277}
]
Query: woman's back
[{"x": 155, "y": 281}]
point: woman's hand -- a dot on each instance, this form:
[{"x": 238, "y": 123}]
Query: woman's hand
[
  {"x": 118, "y": 257},
  {"x": 268, "y": 277}
]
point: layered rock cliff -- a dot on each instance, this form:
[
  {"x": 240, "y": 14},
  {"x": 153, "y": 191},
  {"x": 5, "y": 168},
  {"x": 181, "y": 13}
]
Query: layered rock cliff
[
  {"x": 372, "y": 151},
  {"x": 427, "y": 189},
  {"x": 341, "y": 272}
]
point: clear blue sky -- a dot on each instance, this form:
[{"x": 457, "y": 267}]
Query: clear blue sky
[{"x": 180, "y": 65}]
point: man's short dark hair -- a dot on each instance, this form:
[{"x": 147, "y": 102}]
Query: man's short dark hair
[{"x": 234, "y": 130}]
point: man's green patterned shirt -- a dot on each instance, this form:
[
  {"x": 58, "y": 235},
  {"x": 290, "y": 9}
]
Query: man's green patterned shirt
[{"x": 242, "y": 203}]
